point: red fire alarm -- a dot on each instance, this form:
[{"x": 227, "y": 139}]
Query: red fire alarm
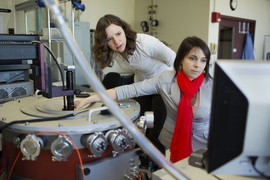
[{"x": 215, "y": 17}]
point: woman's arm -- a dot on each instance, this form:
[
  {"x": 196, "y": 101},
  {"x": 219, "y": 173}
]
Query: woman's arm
[
  {"x": 94, "y": 98},
  {"x": 146, "y": 87}
]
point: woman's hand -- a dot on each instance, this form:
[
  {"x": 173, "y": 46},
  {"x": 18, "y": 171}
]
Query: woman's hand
[
  {"x": 93, "y": 98},
  {"x": 78, "y": 104}
]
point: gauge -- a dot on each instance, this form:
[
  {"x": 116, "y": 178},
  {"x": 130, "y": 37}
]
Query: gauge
[
  {"x": 143, "y": 23},
  {"x": 145, "y": 28},
  {"x": 154, "y": 22}
]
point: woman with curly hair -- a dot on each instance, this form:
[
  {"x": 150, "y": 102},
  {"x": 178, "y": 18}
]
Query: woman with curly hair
[
  {"x": 187, "y": 93},
  {"x": 142, "y": 54}
]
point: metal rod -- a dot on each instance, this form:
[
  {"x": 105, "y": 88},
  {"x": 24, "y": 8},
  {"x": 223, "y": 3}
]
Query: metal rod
[
  {"x": 26, "y": 22},
  {"x": 98, "y": 87}
]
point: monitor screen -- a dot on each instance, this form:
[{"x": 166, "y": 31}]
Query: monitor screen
[{"x": 239, "y": 134}]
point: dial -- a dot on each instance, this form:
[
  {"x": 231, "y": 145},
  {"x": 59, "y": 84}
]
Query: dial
[
  {"x": 145, "y": 28},
  {"x": 154, "y": 22},
  {"x": 143, "y": 23}
]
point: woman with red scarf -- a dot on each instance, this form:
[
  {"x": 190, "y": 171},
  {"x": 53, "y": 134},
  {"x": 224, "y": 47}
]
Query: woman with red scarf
[{"x": 187, "y": 94}]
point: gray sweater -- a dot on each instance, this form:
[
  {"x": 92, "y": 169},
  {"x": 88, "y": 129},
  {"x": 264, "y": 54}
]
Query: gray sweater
[
  {"x": 166, "y": 86},
  {"x": 150, "y": 58}
]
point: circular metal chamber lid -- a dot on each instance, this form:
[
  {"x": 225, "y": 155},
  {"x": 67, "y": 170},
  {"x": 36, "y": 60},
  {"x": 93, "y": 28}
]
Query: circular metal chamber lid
[{"x": 41, "y": 108}]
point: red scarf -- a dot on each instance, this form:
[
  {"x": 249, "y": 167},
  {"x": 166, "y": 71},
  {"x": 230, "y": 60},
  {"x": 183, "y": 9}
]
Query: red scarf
[{"x": 181, "y": 145}]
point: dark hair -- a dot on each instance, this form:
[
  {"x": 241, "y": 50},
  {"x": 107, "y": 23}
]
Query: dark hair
[
  {"x": 186, "y": 46},
  {"x": 102, "y": 54}
]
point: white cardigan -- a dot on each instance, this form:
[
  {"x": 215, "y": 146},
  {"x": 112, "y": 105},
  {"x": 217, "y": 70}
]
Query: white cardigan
[{"x": 150, "y": 58}]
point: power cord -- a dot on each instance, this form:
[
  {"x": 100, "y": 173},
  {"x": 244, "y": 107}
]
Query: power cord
[
  {"x": 4, "y": 99},
  {"x": 41, "y": 119},
  {"x": 253, "y": 160},
  {"x": 57, "y": 64},
  {"x": 55, "y": 60}
]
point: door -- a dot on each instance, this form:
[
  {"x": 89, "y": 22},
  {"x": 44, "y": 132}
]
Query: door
[
  {"x": 266, "y": 49},
  {"x": 232, "y": 33}
]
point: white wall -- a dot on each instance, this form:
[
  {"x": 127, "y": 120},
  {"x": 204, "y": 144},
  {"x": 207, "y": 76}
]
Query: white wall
[
  {"x": 179, "y": 18},
  {"x": 125, "y": 9},
  {"x": 6, "y": 19},
  {"x": 96, "y": 9},
  {"x": 258, "y": 10},
  {"x": 93, "y": 11}
]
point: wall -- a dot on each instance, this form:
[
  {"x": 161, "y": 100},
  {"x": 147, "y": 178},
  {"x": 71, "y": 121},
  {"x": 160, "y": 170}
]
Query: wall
[
  {"x": 177, "y": 19},
  {"x": 181, "y": 18},
  {"x": 6, "y": 19},
  {"x": 96, "y": 9},
  {"x": 93, "y": 11},
  {"x": 258, "y": 10}
]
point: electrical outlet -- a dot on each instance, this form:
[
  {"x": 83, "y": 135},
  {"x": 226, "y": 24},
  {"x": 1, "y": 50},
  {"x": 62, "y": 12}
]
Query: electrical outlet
[{"x": 11, "y": 31}]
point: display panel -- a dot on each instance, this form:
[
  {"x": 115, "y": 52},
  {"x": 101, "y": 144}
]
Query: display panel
[{"x": 240, "y": 119}]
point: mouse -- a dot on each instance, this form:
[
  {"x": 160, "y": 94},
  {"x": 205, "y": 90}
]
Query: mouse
[{"x": 196, "y": 158}]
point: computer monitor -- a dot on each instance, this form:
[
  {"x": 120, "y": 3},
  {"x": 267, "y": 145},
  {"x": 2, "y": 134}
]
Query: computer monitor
[{"x": 239, "y": 134}]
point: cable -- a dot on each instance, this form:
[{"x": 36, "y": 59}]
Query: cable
[
  {"x": 253, "y": 162},
  {"x": 92, "y": 79},
  {"x": 58, "y": 66},
  {"x": 12, "y": 167},
  {"x": 217, "y": 177},
  {"x": 14, "y": 90},
  {"x": 16, "y": 77},
  {"x": 47, "y": 132},
  {"x": 139, "y": 176},
  {"x": 54, "y": 58},
  {"x": 41, "y": 120},
  {"x": 76, "y": 148},
  {"x": 3, "y": 160}
]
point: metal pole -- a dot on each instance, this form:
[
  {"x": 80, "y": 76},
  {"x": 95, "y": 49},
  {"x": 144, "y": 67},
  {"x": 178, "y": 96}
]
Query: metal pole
[{"x": 98, "y": 87}]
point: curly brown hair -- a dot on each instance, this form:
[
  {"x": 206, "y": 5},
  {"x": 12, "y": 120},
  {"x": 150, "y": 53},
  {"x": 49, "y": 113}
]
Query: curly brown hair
[{"x": 102, "y": 54}]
